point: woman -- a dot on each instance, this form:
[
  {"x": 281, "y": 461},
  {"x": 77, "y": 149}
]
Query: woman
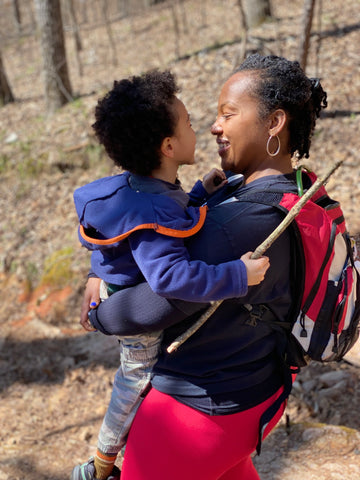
[{"x": 224, "y": 389}]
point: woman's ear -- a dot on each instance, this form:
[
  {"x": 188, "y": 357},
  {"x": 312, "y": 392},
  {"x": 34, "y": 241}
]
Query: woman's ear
[
  {"x": 278, "y": 120},
  {"x": 167, "y": 148}
]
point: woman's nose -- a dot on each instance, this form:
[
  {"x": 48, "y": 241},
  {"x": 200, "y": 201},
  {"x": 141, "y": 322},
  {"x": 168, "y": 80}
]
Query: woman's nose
[{"x": 215, "y": 128}]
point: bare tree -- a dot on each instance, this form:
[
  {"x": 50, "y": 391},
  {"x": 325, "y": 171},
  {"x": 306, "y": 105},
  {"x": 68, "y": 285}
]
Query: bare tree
[
  {"x": 17, "y": 15},
  {"x": 56, "y": 77},
  {"x": 176, "y": 30},
  {"x": 319, "y": 37},
  {"x": 256, "y": 11},
  {"x": 6, "y": 95},
  {"x": 183, "y": 16},
  {"x": 307, "y": 18},
  {"x": 74, "y": 24},
  {"x": 244, "y": 33},
  {"x": 76, "y": 34},
  {"x": 29, "y": 6},
  {"x": 203, "y": 13},
  {"x": 109, "y": 31},
  {"x": 84, "y": 11}
]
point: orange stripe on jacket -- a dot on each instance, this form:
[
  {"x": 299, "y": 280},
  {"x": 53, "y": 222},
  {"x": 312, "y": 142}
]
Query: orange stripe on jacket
[{"x": 170, "y": 232}]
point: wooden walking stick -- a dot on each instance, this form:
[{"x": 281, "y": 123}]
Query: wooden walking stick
[{"x": 260, "y": 250}]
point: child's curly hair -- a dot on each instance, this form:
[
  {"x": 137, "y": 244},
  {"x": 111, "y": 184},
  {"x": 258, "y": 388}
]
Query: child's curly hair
[
  {"x": 281, "y": 83},
  {"x": 134, "y": 117}
]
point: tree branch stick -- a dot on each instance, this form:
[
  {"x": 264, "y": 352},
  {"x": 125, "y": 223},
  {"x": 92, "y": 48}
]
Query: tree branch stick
[{"x": 260, "y": 250}]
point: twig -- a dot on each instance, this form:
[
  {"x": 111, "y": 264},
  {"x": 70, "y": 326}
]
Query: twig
[
  {"x": 293, "y": 212},
  {"x": 260, "y": 250}
]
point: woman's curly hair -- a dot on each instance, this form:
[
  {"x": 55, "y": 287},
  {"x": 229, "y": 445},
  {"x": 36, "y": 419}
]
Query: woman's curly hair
[
  {"x": 134, "y": 117},
  {"x": 281, "y": 83}
]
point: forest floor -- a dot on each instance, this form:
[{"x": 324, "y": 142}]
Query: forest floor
[{"x": 55, "y": 380}]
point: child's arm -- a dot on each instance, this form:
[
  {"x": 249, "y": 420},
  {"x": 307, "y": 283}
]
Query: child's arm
[
  {"x": 166, "y": 265},
  {"x": 214, "y": 180}
]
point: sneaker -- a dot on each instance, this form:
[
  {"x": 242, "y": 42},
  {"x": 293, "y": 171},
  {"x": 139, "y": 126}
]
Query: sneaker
[{"x": 86, "y": 471}]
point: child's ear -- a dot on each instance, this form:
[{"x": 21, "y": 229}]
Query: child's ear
[{"x": 167, "y": 148}]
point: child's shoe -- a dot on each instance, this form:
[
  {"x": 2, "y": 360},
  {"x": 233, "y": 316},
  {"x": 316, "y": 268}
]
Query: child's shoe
[{"x": 86, "y": 471}]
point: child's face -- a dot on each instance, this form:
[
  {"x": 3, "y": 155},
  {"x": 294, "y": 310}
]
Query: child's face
[{"x": 184, "y": 139}]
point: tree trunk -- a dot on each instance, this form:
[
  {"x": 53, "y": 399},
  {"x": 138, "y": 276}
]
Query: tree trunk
[
  {"x": 203, "y": 14},
  {"x": 256, "y": 12},
  {"x": 83, "y": 10},
  {"x": 307, "y": 18},
  {"x": 56, "y": 77},
  {"x": 244, "y": 34},
  {"x": 76, "y": 34},
  {"x": 74, "y": 25},
  {"x": 109, "y": 31},
  {"x": 6, "y": 95},
  {"x": 17, "y": 15},
  {"x": 176, "y": 30}
]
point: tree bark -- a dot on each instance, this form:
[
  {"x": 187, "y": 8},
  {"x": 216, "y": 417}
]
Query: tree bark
[
  {"x": 109, "y": 31},
  {"x": 307, "y": 18},
  {"x": 56, "y": 77},
  {"x": 176, "y": 30},
  {"x": 6, "y": 95},
  {"x": 244, "y": 33},
  {"x": 74, "y": 25},
  {"x": 256, "y": 12},
  {"x": 17, "y": 15},
  {"x": 75, "y": 33}
]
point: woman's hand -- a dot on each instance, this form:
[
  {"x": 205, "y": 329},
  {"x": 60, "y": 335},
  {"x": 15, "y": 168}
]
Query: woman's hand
[
  {"x": 91, "y": 299},
  {"x": 214, "y": 180}
]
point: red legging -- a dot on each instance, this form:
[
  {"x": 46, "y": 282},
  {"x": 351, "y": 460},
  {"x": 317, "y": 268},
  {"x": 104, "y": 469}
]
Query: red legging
[{"x": 170, "y": 441}]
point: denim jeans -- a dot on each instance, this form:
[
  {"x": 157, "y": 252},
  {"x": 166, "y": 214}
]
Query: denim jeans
[{"x": 138, "y": 355}]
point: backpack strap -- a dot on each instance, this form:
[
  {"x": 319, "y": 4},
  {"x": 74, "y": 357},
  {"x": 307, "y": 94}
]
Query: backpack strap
[{"x": 273, "y": 199}]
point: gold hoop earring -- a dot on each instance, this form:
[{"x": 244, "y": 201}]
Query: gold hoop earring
[{"x": 268, "y": 143}]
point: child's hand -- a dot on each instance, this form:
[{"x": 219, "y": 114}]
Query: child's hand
[
  {"x": 214, "y": 180},
  {"x": 255, "y": 269}
]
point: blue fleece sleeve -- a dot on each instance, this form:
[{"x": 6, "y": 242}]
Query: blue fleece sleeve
[
  {"x": 165, "y": 263},
  {"x": 198, "y": 195}
]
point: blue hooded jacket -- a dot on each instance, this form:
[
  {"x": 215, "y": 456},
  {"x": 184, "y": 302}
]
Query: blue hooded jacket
[{"x": 138, "y": 233}]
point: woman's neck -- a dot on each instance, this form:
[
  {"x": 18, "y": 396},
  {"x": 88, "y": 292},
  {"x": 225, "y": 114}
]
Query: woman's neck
[{"x": 278, "y": 166}]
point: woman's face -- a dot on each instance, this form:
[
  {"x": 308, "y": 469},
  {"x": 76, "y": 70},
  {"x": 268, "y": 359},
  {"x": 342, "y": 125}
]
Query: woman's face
[{"x": 241, "y": 133}]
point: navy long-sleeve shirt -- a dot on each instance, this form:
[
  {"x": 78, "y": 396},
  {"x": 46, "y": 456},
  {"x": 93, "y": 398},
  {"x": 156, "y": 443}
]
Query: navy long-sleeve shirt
[{"x": 227, "y": 356}]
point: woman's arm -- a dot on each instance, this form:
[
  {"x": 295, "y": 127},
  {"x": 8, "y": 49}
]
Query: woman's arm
[{"x": 137, "y": 310}]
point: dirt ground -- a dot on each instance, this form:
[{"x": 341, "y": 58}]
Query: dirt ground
[{"x": 55, "y": 380}]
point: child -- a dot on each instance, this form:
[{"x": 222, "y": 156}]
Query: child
[{"x": 136, "y": 224}]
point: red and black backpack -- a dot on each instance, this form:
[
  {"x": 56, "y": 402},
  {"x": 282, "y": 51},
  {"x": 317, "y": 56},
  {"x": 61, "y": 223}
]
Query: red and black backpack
[{"x": 324, "y": 319}]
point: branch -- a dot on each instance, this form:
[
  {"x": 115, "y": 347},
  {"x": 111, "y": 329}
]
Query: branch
[{"x": 260, "y": 250}]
